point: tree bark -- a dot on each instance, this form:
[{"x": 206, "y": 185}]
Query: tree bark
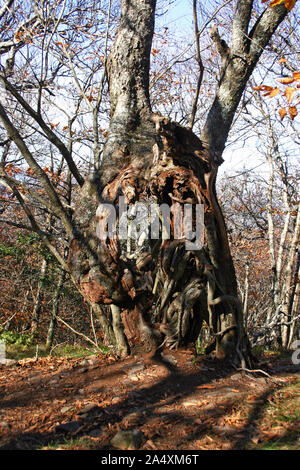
[
  {"x": 55, "y": 305},
  {"x": 295, "y": 303},
  {"x": 38, "y": 298},
  {"x": 289, "y": 286},
  {"x": 238, "y": 63},
  {"x": 160, "y": 290}
]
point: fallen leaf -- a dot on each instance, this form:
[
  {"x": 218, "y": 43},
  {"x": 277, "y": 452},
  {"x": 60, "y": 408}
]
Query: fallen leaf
[
  {"x": 150, "y": 444},
  {"x": 195, "y": 403},
  {"x": 250, "y": 397},
  {"x": 263, "y": 88},
  {"x": 254, "y": 399},
  {"x": 206, "y": 386}
]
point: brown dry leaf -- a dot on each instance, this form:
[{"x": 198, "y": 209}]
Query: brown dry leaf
[
  {"x": 189, "y": 403},
  {"x": 274, "y": 92},
  {"x": 275, "y": 2},
  {"x": 250, "y": 397},
  {"x": 282, "y": 113},
  {"x": 289, "y": 4},
  {"x": 296, "y": 75},
  {"x": 199, "y": 445},
  {"x": 206, "y": 386},
  {"x": 289, "y": 93},
  {"x": 155, "y": 52},
  {"x": 236, "y": 422},
  {"x": 151, "y": 444},
  {"x": 195, "y": 403},
  {"x": 274, "y": 432},
  {"x": 286, "y": 80},
  {"x": 293, "y": 112},
  {"x": 253, "y": 399}
]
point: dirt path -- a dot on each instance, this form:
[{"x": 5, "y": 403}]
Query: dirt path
[{"x": 183, "y": 403}]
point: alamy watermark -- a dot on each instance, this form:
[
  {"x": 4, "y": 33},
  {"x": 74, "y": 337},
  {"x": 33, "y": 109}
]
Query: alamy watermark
[
  {"x": 143, "y": 221},
  {"x": 296, "y": 353},
  {"x": 2, "y": 353}
]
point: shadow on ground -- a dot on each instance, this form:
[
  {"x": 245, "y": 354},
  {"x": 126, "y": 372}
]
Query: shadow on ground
[{"x": 187, "y": 403}]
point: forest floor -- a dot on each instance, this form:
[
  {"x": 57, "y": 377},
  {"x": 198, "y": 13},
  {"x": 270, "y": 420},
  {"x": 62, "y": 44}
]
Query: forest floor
[{"x": 184, "y": 402}]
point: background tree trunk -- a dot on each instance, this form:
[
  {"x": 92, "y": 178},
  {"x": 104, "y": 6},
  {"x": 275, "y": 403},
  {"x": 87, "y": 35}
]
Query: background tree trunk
[
  {"x": 55, "y": 305},
  {"x": 38, "y": 298}
]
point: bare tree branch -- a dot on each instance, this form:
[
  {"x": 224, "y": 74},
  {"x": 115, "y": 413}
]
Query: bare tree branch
[
  {"x": 238, "y": 66},
  {"x": 49, "y": 133},
  {"x": 41, "y": 175}
]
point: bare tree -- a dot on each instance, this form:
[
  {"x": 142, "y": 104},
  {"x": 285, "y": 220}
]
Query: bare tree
[{"x": 159, "y": 292}]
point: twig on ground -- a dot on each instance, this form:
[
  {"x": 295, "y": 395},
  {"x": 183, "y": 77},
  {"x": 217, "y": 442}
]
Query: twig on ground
[{"x": 254, "y": 371}]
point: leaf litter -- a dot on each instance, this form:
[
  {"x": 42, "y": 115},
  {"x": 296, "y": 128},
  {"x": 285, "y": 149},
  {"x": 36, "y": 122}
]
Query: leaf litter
[{"x": 52, "y": 403}]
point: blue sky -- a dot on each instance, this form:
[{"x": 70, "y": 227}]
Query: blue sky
[{"x": 178, "y": 16}]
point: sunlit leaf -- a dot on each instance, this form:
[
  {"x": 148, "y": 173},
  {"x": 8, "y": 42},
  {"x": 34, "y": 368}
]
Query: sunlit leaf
[
  {"x": 282, "y": 113},
  {"x": 274, "y": 92},
  {"x": 263, "y": 88},
  {"x": 293, "y": 112},
  {"x": 155, "y": 52},
  {"x": 286, "y": 80},
  {"x": 275, "y": 2},
  {"x": 289, "y": 93},
  {"x": 207, "y": 386},
  {"x": 289, "y": 4}
]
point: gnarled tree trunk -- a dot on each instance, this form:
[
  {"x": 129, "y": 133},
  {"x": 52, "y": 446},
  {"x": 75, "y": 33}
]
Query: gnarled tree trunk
[{"x": 159, "y": 291}]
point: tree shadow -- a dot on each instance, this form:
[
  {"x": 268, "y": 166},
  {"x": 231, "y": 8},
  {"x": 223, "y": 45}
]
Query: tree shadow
[
  {"x": 251, "y": 427},
  {"x": 153, "y": 400},
  {"x": 25, "y": 396},
  {"x": 175, "y": 386}
]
